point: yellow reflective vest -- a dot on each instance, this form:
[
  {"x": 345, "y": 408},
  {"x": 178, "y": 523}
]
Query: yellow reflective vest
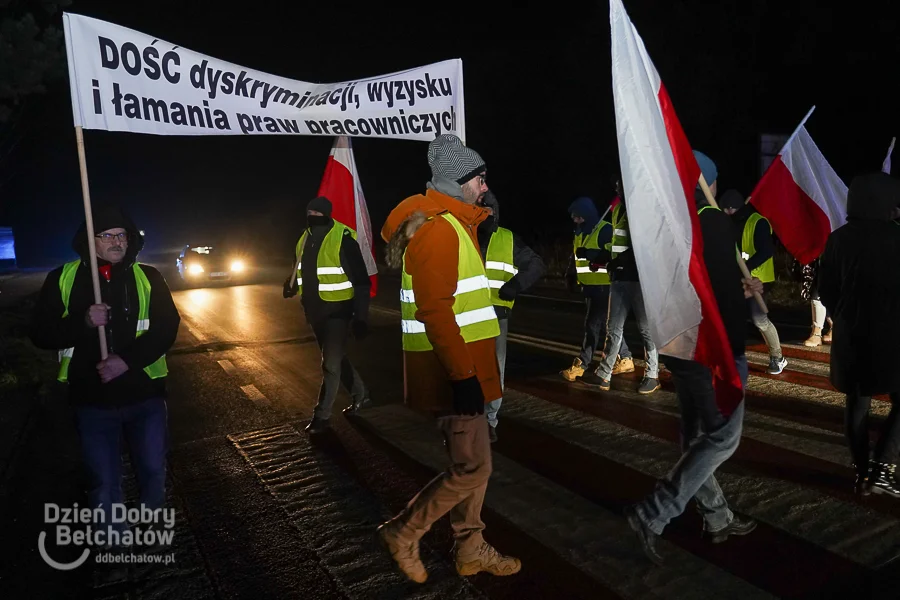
[
  {"x": 472, "y": 303},
  {"x": 499, "y": 265},
  {"x": 67, "y": 279},
  {"x": 334, "y": 283}
]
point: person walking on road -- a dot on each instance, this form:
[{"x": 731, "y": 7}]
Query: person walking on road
[
  {"x": 125, "y": 394},
  {"x": 754, "y": 238},
  {"x": 625, "y": 295},
  {"x": 335, "y": 297},
  {"x": 860, "y": 286},
  {"x": 588, "y": 268},
  {"x": 708, "y": 438},
  {"x": 449, "y": 329},
  {"x": 512, "y": 267}
]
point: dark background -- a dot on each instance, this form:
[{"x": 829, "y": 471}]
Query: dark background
[{"x": 538, "y": 103}]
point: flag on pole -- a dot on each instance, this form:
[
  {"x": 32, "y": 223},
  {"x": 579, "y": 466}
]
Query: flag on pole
[
  {"x": 886, "y": 165},
  {"x": 659, "y": 177},
  {"x": 802, "y": 197},
  {"x": 341, "y": 185}
]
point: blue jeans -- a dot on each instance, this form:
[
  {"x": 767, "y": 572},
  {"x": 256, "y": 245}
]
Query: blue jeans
[
  {"x": 707, "y": 440},
  {"x": 625, "y": 296},
  {"x": 493, "y": 407},
  {"x": 146, "y": 433},
  {"x": 595, "y": 334}
]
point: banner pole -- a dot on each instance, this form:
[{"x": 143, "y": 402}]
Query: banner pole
[
  {"x": 89, "y": 221},
  {"x": 744, "y": 270}
]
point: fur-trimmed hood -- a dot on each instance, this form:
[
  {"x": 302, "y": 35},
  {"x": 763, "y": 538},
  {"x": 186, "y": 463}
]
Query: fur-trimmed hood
[{"x": 408, "y": 217}]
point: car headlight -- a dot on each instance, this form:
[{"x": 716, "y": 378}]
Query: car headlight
[
  {"x": 237, "y": 266},
  {"x": 195, "y": 269}
]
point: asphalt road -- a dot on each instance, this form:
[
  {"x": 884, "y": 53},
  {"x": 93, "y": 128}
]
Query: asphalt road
[{"x": 266, "y": 513}]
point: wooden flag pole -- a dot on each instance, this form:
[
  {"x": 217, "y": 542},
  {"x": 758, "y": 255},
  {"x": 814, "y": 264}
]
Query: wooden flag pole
[
  {"x": 746, "y": 272},
  {"x": 89, "y": 221}
]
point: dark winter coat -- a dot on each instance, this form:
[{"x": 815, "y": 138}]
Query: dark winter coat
[
  {"x": 859, "y": 283},
  {"x": 51, "y": 331}
]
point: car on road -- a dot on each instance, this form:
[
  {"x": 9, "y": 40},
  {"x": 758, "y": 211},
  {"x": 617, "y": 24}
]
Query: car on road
[{"x": 210, "y": 264}]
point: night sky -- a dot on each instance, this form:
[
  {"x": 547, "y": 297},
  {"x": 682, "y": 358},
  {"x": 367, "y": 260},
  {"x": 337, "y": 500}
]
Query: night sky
[{"x": 538, "y": 103}]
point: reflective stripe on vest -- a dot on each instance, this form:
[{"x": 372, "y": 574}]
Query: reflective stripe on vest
[
  {"x": 472, "y": 307},
  {"x": 498, "y": 264},
  {"x": 582, "y": 265},
  {"x": 159, "y": 368},
  {"x": 334, "y": 284},
  {"x": 766, "y": 271},
  {"x": 620, "y": 239}
]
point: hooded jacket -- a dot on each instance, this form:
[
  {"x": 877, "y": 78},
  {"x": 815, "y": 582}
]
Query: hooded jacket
[
  {"x": 51, "y": 331},
  {"x": 584, "y": 207},
  {"x": 531, "y": 267},
  {"x": 432, "y": 259},
  {"x": 860, "y": 286}
]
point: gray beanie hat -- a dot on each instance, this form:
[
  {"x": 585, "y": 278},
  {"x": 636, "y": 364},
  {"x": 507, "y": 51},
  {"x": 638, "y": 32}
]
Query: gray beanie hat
[{"x": 450, "y": 159}]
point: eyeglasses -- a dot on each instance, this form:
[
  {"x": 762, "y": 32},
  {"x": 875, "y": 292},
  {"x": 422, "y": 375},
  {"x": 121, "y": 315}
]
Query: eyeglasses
[
  {"x": 481, "y": 179},
  {"x": 106, "y": 238}
]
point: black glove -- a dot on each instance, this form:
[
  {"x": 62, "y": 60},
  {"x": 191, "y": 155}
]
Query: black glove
[
  {"x": 360, "y": 330},
  {"x": 468, "y": 398},
  {"x": 594, "y": 267},
  {"x": 290, "y": 288},
  {"x": 581, "y": 252},
  {"x": 510, "y": 290}
]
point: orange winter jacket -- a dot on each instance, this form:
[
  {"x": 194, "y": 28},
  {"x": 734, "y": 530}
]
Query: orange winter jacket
[{"x": 432, "y": 257}]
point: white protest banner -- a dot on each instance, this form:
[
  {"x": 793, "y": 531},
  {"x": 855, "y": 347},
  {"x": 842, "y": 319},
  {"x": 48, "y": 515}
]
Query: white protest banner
[{"x": 124, "y": 80}]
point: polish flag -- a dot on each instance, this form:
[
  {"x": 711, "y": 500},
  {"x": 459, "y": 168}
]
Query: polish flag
[
  {"x": 659, "y": 176},
  {"x": 341, "y": 185},
  {"x": 802, "y": 197}
]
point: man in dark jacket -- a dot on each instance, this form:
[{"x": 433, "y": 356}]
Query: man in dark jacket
[
  {"x": 753, "y": 235},
  {"x": 498, "y": 245},
  {"x": 708, "y": 438},
  {"x": 125, "y": 393},
  {"x": 860, "y": 285},
  {"x": 587, "y": 268},
  {"x": 335, "y": 298}
]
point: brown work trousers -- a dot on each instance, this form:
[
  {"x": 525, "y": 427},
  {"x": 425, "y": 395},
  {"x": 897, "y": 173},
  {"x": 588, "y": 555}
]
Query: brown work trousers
[{"x": 459, "y": 490}]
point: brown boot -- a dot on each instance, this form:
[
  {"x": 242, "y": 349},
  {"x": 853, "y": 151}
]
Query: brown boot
[
  {"x": 815, "y": 339},
  {"x": 573, "y": 372},
  {"x": 404, "y": 552},
  {"x": 487, "y": 559},
  {"x": 623, "y": 365},
  {"x": 826, "y": 337}
]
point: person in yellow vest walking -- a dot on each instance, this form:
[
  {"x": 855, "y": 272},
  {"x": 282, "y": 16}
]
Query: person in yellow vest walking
[
  {"x": 511, "y": 267},
  {"x": 625, "y": 295},
  {"x": 124, "y": 395},
  {"x": 334, "y": 288},
  {"x": 450, "y": 368},
  {"x": 754, "y": 239},
  {"x": 588, "y": 269}
]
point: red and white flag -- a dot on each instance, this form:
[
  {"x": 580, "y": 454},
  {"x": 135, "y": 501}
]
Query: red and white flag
[
  {"x": 802, "y": 197},
  {"x": 341, "y": 185},
  {"x": 659, "y": 176}
]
